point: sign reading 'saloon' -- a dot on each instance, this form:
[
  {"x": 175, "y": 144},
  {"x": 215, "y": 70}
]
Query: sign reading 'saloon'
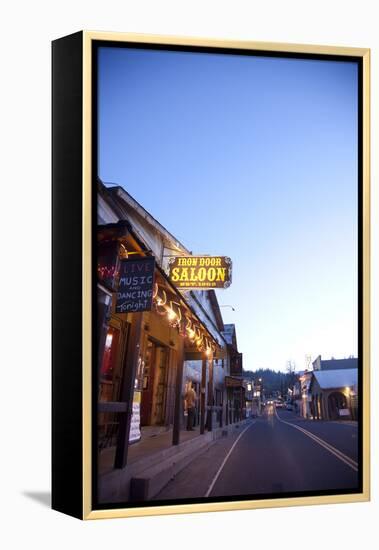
[{"x": 200, "y": 271}]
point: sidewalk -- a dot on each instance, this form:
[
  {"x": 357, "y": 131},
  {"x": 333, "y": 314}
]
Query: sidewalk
[
  {"x": 150, "y": 444},
  {"x": 154, "y": 461}
]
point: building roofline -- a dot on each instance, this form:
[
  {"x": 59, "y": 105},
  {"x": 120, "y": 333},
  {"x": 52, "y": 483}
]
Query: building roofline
[
  {"x": 119, "y": 192},
  {"x": 153, "y": 222},
  {"x": 144, "y": 250},
  {"x": 329, "y": 374}
]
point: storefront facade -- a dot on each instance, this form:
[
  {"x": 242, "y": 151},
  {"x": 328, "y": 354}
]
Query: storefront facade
[
  {"x": 235, "y": 394},
  {"x": 148, "y": 357},
  {"x": 334, "y": 394}
]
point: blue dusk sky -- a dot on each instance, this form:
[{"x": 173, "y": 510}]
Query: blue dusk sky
[{"x": 253, "y": 158}]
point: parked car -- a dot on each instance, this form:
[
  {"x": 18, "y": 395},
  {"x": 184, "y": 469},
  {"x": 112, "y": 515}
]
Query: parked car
[{"x": 279, "y": 404}]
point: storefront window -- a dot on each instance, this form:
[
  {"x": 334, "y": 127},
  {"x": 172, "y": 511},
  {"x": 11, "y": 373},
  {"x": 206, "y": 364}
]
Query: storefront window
[
  {"x": 109, "y": 383},
  {"x": 109, "y": 390}
]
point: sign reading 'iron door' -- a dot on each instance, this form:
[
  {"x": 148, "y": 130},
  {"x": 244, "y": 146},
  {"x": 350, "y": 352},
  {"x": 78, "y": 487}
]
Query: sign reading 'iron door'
[
  {"x": 136, "y": 283},
  {"x": 203, "y": 272}
]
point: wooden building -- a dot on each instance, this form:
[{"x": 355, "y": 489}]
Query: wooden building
[
  {"x": 151, "y": 348},
  {"x": 235, "y": 386}
]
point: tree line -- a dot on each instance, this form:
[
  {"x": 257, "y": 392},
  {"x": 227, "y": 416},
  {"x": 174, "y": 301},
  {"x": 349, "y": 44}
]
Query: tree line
[{"x": 272, "y": 381}]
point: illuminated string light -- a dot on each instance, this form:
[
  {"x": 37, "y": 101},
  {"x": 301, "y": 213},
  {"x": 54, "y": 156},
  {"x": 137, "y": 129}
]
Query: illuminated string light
[
  {"x": 161, "y": 301},
  {"x": 183, "y": 323},
  {"x": 179, "y": 311},
  {"x": 123, "y": 253},
  {"x": 155, "y": 291},
  {"x": 105, "y": 272},
  {"x": 171, "y": 315},
  {"x": 191, "y": 334}
]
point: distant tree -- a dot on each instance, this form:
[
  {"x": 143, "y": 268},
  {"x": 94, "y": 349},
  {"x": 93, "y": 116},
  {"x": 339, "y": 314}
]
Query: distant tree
[{"x": 291, "y": 366}]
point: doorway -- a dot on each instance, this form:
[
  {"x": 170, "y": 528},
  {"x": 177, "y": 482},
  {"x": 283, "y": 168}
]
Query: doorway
[
  {"x": 336, "y": 402},
  {"x": 153, "y": 399}
]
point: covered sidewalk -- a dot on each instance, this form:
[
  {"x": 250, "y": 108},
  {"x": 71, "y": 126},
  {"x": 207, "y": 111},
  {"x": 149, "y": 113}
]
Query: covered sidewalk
[{"x": 154, "y": 461}]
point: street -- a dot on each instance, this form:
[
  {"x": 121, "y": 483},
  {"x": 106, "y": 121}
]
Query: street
[{"x": 278, "y": 452}]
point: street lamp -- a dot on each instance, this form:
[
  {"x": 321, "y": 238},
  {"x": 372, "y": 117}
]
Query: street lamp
[{"x": 226, "y": 305}]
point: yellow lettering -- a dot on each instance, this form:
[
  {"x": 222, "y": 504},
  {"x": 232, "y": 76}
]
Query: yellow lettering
[
  {"x": 202, "y": 274},
  {"x": 193, "y": 276},
  {"x": 184, "y": 275},
  {"x": 221, "y": 273},
  {"x": 189, "y": 271},
  {"x": 175, "y": 274},
  {"x": 211, "y": 274}
]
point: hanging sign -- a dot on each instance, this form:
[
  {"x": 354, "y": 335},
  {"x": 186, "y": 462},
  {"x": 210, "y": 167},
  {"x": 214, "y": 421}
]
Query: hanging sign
[
  {"x": 201, "y": 272},
  {"x": 136, "y": 283},
  {"x": 231, "y": 382}
]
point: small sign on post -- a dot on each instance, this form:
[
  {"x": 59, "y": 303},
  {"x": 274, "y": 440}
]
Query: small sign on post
[
  {"x": 136, "y": 283},
  {"x": 231, "y": 382}
]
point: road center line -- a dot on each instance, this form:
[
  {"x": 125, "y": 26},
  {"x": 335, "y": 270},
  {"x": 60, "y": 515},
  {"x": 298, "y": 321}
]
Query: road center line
[
  {"x": 225, "y": 459},
  {"x": 336, "y": 452}
]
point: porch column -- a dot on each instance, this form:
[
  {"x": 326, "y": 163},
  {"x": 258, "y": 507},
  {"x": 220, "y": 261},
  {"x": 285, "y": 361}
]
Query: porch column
[
  {"x": 210, "y": 395},
  {"x": 202, "y": 394},
  {"x": 221, "y": 410},
  {"x": 326, "y": 405},
  {"x": 127, "y": 390},
  {"x": 178, "y": 409},
  {"x": 322, "y": 415}
]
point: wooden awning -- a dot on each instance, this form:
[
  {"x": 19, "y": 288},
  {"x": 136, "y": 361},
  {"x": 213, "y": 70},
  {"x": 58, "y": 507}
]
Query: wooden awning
[{"x": 167, "y": 300}]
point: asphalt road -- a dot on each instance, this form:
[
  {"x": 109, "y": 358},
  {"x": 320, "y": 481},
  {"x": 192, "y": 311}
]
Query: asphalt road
[
  {"x": 281, "y": 453},
  {"x": 273, "y": 454}
]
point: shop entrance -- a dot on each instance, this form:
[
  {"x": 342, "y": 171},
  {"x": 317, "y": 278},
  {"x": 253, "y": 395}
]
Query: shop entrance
[
  {"x": 336, "y": 402},
  {"x": 153, "y": 399}
]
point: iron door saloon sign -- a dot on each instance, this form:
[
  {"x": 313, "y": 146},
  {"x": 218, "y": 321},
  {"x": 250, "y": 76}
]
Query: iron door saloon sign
[
  {"x": 203, "y": 272},
  {"x": 136, "y": 283}
]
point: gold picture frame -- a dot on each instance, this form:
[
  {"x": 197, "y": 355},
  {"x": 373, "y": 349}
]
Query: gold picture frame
[{"x": 80, "y": 46}]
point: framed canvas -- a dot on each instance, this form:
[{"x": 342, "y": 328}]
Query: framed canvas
[{"x": 210, "y": 275}]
